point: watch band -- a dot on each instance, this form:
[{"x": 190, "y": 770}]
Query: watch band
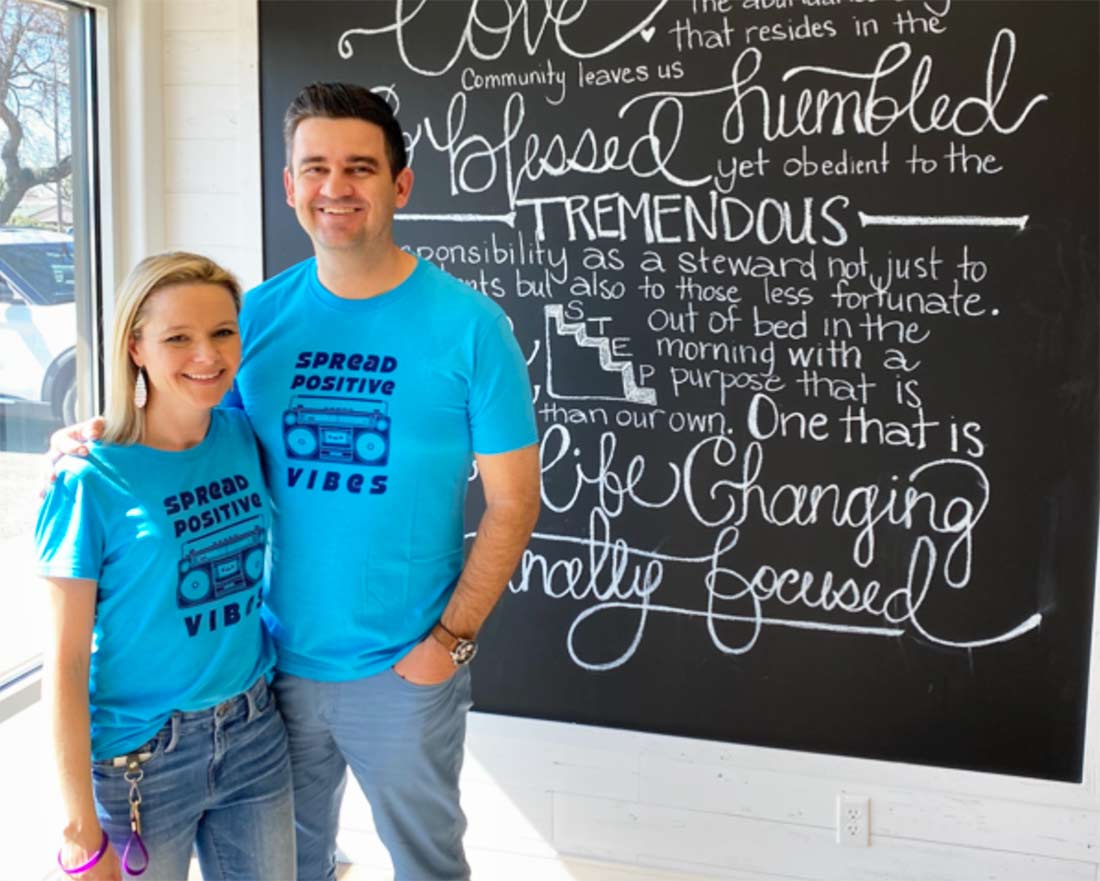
[
  {"x": 461, "y": 650},
  {"x": 444, "y": 637}
]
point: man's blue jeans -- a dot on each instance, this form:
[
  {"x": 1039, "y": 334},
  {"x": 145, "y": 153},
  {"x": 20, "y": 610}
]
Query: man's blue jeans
[
  {"x": 404, "y": 744},
  {"x": 218, "y": 781}
]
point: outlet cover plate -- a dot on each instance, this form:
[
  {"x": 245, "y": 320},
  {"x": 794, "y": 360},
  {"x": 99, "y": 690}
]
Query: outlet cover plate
[{"x": 853, "y": 820}]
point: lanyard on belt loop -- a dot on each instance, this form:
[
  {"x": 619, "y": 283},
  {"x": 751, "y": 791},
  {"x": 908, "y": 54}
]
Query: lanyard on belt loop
[{"x": 134, "y": 775}]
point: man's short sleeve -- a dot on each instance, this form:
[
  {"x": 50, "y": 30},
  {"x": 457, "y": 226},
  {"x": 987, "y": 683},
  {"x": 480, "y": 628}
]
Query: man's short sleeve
[
  {"x": 69, "y": 534},
  {"x": 502, "y": 417}
]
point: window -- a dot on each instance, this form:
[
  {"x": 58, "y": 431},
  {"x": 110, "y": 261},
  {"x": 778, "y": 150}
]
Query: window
[{"x": 47, "y": 273}]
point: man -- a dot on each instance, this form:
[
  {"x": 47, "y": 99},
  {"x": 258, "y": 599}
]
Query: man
[{"x": 371, "y": 379}]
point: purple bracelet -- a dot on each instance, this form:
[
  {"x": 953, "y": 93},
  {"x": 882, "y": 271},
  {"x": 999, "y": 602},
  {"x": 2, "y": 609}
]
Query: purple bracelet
[{"x": 96, "y": 857}]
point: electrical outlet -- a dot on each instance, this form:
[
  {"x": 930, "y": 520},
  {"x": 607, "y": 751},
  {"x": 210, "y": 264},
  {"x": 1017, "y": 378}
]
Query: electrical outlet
[{"x": 853, "y": 820}]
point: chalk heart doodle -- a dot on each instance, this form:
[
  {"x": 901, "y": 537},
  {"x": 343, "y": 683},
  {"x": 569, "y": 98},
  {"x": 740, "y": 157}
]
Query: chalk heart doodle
[
  {"x": 615, "y": 578},
  {"x": 487, "y": 33}
]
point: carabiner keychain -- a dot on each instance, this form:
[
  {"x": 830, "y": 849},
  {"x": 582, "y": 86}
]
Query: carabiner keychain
[{"x": 134, "y": 775}]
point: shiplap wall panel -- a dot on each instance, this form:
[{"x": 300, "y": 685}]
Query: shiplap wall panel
[
  {"x": 201, "y": 57},
  {"x": 557, "y": 757},
  {"x": 953, "y": 818},
  {"x": 866, "y": 771},
  {"x": 203, "y": 15},
  {"x": 211, "y": 138},
  {"x": 607, "y": 828}
]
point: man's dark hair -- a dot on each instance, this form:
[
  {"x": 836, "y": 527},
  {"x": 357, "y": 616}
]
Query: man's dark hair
[{"x": 346, "y": 101}]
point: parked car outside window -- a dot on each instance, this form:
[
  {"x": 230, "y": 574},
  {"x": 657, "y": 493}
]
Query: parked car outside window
[{"x": 38, "y": 320}]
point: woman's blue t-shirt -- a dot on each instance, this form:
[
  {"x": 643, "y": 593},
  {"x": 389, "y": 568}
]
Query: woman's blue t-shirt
[{"x": 176, "y": 542}]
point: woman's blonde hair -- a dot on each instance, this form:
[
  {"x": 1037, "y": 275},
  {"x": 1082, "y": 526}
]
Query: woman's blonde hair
[{"x": 125, "y": 422}]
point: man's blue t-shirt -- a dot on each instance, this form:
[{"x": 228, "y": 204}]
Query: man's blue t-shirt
[
  {"x": 368, "y": 412},
  {"x": 176, "y": 542}
]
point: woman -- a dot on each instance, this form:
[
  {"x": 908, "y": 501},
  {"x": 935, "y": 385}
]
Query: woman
[{"x": 152, "y": 548}]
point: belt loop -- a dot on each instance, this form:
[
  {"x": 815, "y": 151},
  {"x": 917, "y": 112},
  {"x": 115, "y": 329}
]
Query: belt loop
[
  {"x": 250, "y": 696},
  {"x": 174, "y": 737}
]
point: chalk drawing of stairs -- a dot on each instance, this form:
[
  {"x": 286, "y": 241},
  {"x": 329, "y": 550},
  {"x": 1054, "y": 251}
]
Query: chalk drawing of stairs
[{"x": 556, "y": 324}]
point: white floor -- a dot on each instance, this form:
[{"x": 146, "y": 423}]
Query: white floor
[{"x": 29, "y": 809}]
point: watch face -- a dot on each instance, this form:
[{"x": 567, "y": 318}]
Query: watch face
[{"x": 464, "y": 652}]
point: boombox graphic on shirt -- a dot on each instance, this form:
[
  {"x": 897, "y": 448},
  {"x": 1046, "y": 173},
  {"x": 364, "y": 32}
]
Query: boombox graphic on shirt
[
  {"x": 219, "y": 564},
  {"x": 342, "y": 431}
]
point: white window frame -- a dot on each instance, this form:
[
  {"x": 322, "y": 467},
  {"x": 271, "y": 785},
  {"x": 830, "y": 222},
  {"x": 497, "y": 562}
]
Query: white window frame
[{"x": 22, "y": 688}]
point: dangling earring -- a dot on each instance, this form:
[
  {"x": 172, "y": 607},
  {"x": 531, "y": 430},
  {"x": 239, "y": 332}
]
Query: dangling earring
[{"x": 141, "y": 391}]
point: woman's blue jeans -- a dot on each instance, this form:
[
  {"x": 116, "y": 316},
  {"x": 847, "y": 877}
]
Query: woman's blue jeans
[{"x": 217, "y": 781}]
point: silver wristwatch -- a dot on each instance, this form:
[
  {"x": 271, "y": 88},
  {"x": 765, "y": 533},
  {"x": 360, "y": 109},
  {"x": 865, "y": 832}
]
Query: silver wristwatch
[{"x": 462, "y": 650}]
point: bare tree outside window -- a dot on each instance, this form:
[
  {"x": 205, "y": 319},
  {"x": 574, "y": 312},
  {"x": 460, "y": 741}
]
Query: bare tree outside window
[{"x": 34, "y": 107}]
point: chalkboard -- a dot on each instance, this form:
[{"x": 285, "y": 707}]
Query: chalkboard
[{"x": 808, "y": 292}]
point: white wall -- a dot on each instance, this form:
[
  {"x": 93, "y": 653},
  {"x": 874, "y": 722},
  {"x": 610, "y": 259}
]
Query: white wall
[
  {"x": 187, "y": 167},
  {"x": 541, "y": 788},
  {"x": 211, "y": 137}
]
